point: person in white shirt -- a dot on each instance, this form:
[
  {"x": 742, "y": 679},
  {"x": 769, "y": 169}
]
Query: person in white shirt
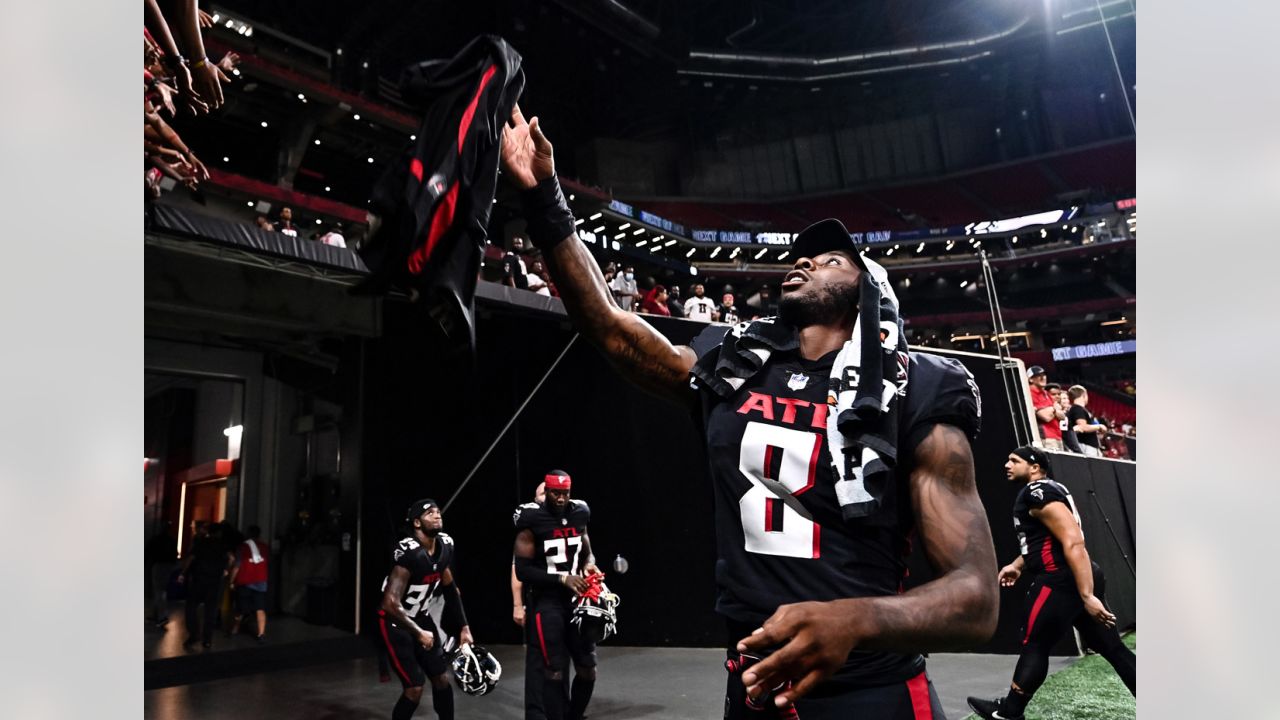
[
  {"x": 334, "y": 237},
  {"x": 624, "y": 288},
  {"x": 699, "y": 307}
]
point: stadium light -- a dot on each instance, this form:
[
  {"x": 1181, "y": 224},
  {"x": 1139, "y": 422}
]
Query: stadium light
[
  {"x": 595, "y": 217},
  {"x": 226, "y": 159},
  {"x": 639, "y": 231},
  {"x": 356, "y": 116},
  {"x": 571, "y": 197},
  {"x": 413, "y": 137},
  {"x": 670, "y": 242},
  {"x": 760, "y": 254},
  {"x": 920, "y": 248},
  {"x": 735, "y": 252},
  {"x": 691, "y": 252},
  {"x": 784, "y": 255},
  {"x": 579, "y": 221},
  {"x": 642, "y": 243},
  {"x": 599, "y": 229},
  {"x": 964, "y": 283},
  {"x": 619, "y": 236},
  {"x": 326, "y": 188},
  {"x": 302, "y": 97},
  {"x": 716, "y": 252},
  {"x": 624, "y": 226},
  {"x": 370, "y": 160},
  {"x": 317, "y": 141},
  {"x": 264, "y": 123}
]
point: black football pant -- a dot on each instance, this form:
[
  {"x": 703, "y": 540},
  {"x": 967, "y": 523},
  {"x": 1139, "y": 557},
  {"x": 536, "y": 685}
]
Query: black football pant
[
  {"x": 556, "y": 642},
  {"x": 1053, "y": 607}
]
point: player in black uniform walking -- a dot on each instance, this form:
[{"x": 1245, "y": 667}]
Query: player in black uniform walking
[
  {"x": 553, "y": 560},
  {"x": 1068, "y": 589},
  {"x": 421, "y": 572},
  {"x": 814, "y": 593}
]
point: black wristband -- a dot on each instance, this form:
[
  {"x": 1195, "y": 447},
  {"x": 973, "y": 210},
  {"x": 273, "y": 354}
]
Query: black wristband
[{"x": 547, "y": 213}]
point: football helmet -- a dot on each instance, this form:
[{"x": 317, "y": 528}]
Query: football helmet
[
  {"x": 476, "y": 670},
  {"x": 595, "y": 612}
]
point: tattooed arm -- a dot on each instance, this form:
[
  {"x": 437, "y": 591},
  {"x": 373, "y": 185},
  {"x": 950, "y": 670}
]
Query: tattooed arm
[
  {"x": 631, "y": 344},
  {"x": 956, "y": 610}
]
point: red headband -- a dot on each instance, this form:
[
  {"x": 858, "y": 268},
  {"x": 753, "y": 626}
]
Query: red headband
[{"x": 558, "y": 482}]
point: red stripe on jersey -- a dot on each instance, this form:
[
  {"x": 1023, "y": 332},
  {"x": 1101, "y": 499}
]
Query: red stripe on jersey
[
  {"x": 470, "y": 112},
  {"x": 1046, "y": 555},
  {"x": 440, "y": 223},
  {"x": 817, "y": 540},
  {"x": 768, "y": 462},
  {"x": 391, "y": 650},
  {"x": 918, "y": 689},
  {"x": 1035, "y": 610},
  {"x": 415, "y": 167},
  {"x": 768, "y": 514}
]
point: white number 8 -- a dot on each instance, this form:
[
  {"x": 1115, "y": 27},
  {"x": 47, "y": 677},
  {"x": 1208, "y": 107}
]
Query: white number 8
[{"x": 777, "y": 459}]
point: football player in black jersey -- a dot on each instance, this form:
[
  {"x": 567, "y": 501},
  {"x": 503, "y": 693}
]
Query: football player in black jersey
[
  {"x": 1067, "y": 590},
  {"x": 421, "y": 572},
  {"x": 553, "y": 560},
  {"x": 817, "y": 598}
]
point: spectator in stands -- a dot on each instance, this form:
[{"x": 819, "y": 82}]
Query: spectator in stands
[
  {"x": 264, "y": 224},
  {"x": 1046, "y": 407},
  {"x": 655, "y": 301},
  {"x": 249, "y": 581},
  {"x": 1069, "y": 440},
  {"x": 610, "y": 270},
  {"x": 285, "y": 224},
  {"x": 766, "y": 305},
  {"x": 624, "y": 289},
  {"x": 514, "y": 272},
  {"x": 699, "y": 307},
  {"x": 728, "y": 311},
  {"x": 334, "y": 236},
  {"x": 674, "y": 306},
  {"x": 538, "y": 278},
  {"x": 1086, "y": 427}
]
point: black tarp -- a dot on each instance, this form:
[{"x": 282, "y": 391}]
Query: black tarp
[{"x": 250, "y": 237}]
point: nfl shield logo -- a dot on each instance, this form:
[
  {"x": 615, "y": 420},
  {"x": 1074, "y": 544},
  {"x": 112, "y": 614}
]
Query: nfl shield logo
[{"x": 798, "y": 381}]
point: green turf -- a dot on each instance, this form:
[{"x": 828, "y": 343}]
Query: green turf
[{"x": 1088, "y": 690}]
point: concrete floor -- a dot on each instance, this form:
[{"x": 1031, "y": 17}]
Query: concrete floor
[
  {"x": 635, "y": 684},
  {"x": 168, "y": 642}
]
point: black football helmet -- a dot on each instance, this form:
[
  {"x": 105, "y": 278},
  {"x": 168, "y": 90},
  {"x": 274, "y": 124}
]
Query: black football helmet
[
  {"x": 595, "y": 615},
  {"x": 476, "y": 670}
]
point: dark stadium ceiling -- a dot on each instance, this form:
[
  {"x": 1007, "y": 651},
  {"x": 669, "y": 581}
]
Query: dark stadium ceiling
[{"x": 635, "y": 68}]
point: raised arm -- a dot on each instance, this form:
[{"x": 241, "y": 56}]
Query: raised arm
[
  {"x": 631, "y": 344},
  {"x": 956, "y": 610}
]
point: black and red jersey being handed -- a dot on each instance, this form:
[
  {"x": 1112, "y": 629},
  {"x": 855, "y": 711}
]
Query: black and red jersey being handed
[
  {"x": 1041, "y": 551},
  {"x": 557, "y": 539},
  {"x": 426, "y": 572},
  {"x": 781, "y": 536}
]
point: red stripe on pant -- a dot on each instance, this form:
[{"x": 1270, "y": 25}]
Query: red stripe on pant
[
  {"x": 921, "y": 705},
  {"x": 1035, "y": 610},
  {"x": 542, "y": 640},
  {"x": 382, "y": 624}
]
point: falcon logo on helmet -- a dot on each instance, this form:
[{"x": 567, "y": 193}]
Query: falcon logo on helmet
[
  {"x": 476, "y": 670},
  {"x": 595, "y": 613}
]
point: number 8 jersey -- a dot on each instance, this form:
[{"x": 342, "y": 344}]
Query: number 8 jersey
[
  {"x": 780, "y": 534},
  {"x": 557, "y": 540}
]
